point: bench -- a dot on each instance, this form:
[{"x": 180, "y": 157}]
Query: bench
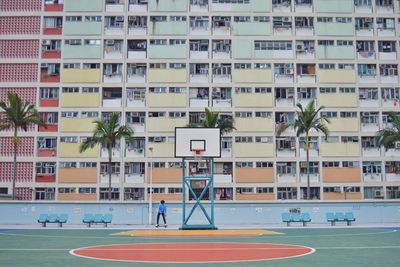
[
  {"x": 44, "y": 219},
  {"x": 296, "y": 217},
  {"x": 97, "y": 218},
  {"x": 347, "y": 217}
]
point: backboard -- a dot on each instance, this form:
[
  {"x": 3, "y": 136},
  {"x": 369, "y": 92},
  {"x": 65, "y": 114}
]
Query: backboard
[{"x": 189, "y": 139}]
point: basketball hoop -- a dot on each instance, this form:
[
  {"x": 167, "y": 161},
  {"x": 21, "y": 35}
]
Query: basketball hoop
[{"x": 197, "y": 152}]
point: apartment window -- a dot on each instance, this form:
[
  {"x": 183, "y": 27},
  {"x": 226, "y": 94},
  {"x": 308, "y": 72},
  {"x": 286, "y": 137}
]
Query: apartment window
[
  {"x": 177, "y": 114},
  {"x": 69, "y": 139},
  {"x": 350, "y": 164},
  {"x": 45, "y": 167},
  {"x": 92, "y": 42},
  {"x": 330, "y": 164},
  {"x": 67, "y": 190},
  {"x": 286, "y": 168},
  {"x": 157, "y": 114},
  {"x": 91, "y": 90},
  {"x": 348, "y": 114},
  {"x": 91, "y": 65},
  {"x": 242, "y": 65},
  {"x": 326, "y": 66},
  {"x": 177, "y": 18},
  {"x": 174, "y": 190},
  {"x": 241, "y": 19},
  {"x": 306, "y": 93},
  {"x": 243, "y": 139},
  {"x": 387, "y": 46},
  {"x": 73, "y": 18},
  {"x": 388, "y": 69},
  {"x": 372, "y": 167},
  {"x": 327, "y": 90},
  {"x": 46, "y": 142},
  {"x": 244, "y": 164},
  {"x": 177, "y": 42},
  {"x": 264, "y": 190},
  {"x": 262, "y": 90},
  {"x": 263, "y": 139},
  {"x": 343, "y": 20},
  {"x": 390, "y": 93},
  {"x": 369, "y": 142},
  {"x": 131, "y": 193},
  {"x": 157, "y": 190},
  {"x": 90, "y": 114},
  {"x": 375, "y": 192},
  {"x": 94, "y": 19},
  {"x": 326, "y": 42},
  {"x": 393, "y": 192},
  {"x": 87, "y": 190},
  {"x": 261, "y": 19},
  {"x": 313, "y": 168},
  {"x": 324, "y": 19},
  {"x": 273, "y": 45},
  {"x": 157, "y": 139},
  {"x": 73, "y": 42},
  {"x": 264, "y": 164},
  {"x": 349, "y": 139},
  {"x": 286, "y": 193},
  {"x": 104, "y": 191},
  {"x": 48, "y": 93},
  {"x": 346, "y": 66},
  {"x": 243, "y": 90},
  {"x": 177, "y": 65},
  {"x": 177, "y": 90},
  {"x": 44, "y": 193},
  {"x": 158, "y": 90},
  {"x": 329, "y": 114},
  {"x": 69, "y": 114},
  {"x": 367, "y": 69},
  {"x": 87, "y": 164},
  {"x": 347, "y": 90},
  {"x": 263, "y": 114},
  {"x": 243, "y": 114}
]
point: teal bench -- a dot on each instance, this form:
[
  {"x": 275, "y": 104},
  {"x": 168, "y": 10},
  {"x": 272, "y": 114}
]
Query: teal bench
[
  {"x": 347, "y": 217},
  {"x": 97, "y": 218},
  {"x": 44, "y": 219},
  {"x": 288, "y": 218}
]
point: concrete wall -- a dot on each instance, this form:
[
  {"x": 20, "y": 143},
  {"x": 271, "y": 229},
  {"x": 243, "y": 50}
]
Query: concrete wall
[{"x": 225, "y": 213}]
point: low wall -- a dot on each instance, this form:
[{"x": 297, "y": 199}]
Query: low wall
[{"x": 225, "y": 213}]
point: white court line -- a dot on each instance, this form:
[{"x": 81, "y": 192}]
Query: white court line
[
  {"x": 171, "y": 238},
  {"x": 160, "y": 249}
]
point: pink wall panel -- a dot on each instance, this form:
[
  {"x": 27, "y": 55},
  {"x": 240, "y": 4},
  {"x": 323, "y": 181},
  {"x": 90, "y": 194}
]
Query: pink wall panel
[
  {"x": 25, "y": 149},
  {"x": 19, "y": 25},
  {"x": 26, "y": 94},
  {"x": 24, "y": 172},
  {"x": 19, "y": 48},
  {"x": 23, "y": 193},
  {"x": 18, "y": 72},
  {"x": 20, "y": 5}
]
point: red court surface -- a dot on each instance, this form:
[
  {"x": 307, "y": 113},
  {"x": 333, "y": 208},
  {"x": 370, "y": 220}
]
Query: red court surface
[{"x": 192, "y": 252}]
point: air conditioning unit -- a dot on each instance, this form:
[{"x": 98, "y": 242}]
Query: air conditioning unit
[
  {"x": 44, "y": 65},
  {"x": 119, "y": 18},
  {"x": 368, "y": 20},
  {"x": 378, "y": 193},
  {"x": 299, "y": 47},
  {"x": 397, "y": 145},
  {"x": 202, "y": 116},
  {"x": 202, "y": 165},
  {"x": 157, "y": 139},
  {"x": 337, "y": 189},
  {"x": 289, "y": 71},
  {"x": 303, "y": 164},
  {"x": 46, "y": 42},
  {"x": 109, "y": 42}
]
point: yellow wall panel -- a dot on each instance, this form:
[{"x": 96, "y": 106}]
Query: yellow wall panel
[
  {"x": 77, "y": 124},
  {"x": 340, "y": 149},
  {"x": 338, "y": 100},
  {"x": 166, "y": 100},
  {"x": 71, "y": 150},
  {"x": 254, "y": 100},
  {"x": 337, "y": 76},
  {"x": 167, "y": 76},
  {"x": 252, "y": 76},
  {"x": 79, "y": 100},
  {"x": 344, "y": 125},
  {"x": 254, "y": 150},
  {"x": 164, "y": 124},
  {"x": 162, "y": 150},
  {"x": 254, "y": 124},
  {"x": 80, "y": 75}
]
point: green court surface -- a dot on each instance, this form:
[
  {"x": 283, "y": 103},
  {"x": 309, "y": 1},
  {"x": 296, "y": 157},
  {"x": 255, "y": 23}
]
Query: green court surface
[{"x": 333, "y": 247}]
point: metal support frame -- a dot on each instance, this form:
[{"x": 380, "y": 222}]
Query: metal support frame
[{"x": 209, "y": 186}]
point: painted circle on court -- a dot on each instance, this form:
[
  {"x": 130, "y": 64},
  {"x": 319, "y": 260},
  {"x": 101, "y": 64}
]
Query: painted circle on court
[{"x": 192, "y": 252}]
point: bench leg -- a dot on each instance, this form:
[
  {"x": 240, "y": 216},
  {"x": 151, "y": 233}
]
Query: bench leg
[
  {"x": 287, "y": 224},
  {"x": 105, "y": 224},
  {"x": 304, "y": 223},
  {"x": 60, "y": 224},
  {"x": 348, "y": 223}
]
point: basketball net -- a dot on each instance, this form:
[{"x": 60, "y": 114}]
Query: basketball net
[{"x": 197, "y": 154}]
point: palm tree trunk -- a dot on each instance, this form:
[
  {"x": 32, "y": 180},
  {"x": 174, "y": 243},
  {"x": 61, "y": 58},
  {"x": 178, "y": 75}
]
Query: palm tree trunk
[
  {"x": 308, "y": 165},
  {"x": 109, "y": 171},
  {"x": 14, "y": 173}
]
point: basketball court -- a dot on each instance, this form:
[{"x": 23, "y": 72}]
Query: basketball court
[{"x": 254, "y": 247}]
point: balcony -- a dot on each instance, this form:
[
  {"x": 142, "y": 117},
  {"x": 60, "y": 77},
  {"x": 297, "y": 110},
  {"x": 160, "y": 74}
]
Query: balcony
[
  {"x": 49, "y": 73},
  {"x": 254, "y": 150},
  {"x": 199, "y": 6},
  {"x": 115, "y": 5},
  {"x": 80, "y": 75},
  {"x": 54, "y": 6},
  {"x": 135, "y": 148},
  {"x": 84, "y": 5},
  {"x": 384, "y": 7},
  {"x": 137, "y": 49},
  {"x": 136, "y": 97},
  {"x": 372, "y": 177},
  {"x": 370, "y": 151},
  {"x": 114, "y": 25},
  {"x": 51, "y": 49},
  {"x": 363, "y": 8},
  {"x": 115, "y": 151},
  {"x": 281, "y": 6},
  {"x": 222, "y": 97},
  {"x": 367, "y": 73},
  {"x": 199, "y": 25},
  {"x": 139, "y": 6},
  {"x": 136, "y": 73},
  {"x": 341, "y": 175},
  {"x": 167, "y": 5},
  {"x": 77, "y": 175},
  {"x": 199, "y": 97},
  {"x": 339, "y": 149},
  {"x": 115, "y": 178},
  {"x": 167, "y": 76},
  {"x": 254, "y": 175},
  {"x": 167, "y": 51},
  {"x": 252, "y": 75},
  {"x": 52, "y": 26},
  {"x": 71, "y": 150},
  {"x": 199, "y": 73},
  {"x": 112, "y": 97},
  {"x": 47, "y": 147},
  {"x": 304, "y": 6},
  {"x": 72, "y": 100},
  {"x": 252, "y": 6},
  {"x": 337, "y": 76},
  {"x": 314, "y": 178},
  {"x": 254, "y": 124},
  {"x": 137, "y": 25},
  {"x": 333, "y": 6},
  {"x": 112, "y": 73},
  {"x": 113, "y": 49},
  {"x": 137, "y": 121},
  {"x": 365, "y": 27}
]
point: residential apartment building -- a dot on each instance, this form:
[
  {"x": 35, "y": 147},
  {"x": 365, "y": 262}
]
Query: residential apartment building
[{"x": 160, "y": 63}]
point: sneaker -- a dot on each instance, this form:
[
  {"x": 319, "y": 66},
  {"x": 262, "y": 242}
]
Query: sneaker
[
  {"x": 157, "y": 225},
  {"x": 165, "y": 226}
]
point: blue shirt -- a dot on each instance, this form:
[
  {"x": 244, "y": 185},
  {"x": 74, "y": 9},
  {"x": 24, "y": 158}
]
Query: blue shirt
[{"x": 162, "y": 208}]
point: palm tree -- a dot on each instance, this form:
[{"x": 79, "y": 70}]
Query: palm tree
[
  {"x": 213, "y": 120},
  {"x": 388, "y": 136},
  {"x": 307, "y": 119},
  {"x": 18, "y": 116},
  {"x": 106, "y": 133}
]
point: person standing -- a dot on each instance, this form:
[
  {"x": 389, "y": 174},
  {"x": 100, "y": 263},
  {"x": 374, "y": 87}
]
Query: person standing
[{"x": 162, "y": 210}]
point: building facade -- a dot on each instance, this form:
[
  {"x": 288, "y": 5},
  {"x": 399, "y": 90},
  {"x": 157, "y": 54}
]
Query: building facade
[{"x": 160, "y": 63}]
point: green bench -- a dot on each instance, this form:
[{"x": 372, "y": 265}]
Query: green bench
[
  {"x": 44, "y": 219},
  {"x": 347, "y": 217},
  {"x": 97, "y": 218},
  {"x": 288, "y": 218}
]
